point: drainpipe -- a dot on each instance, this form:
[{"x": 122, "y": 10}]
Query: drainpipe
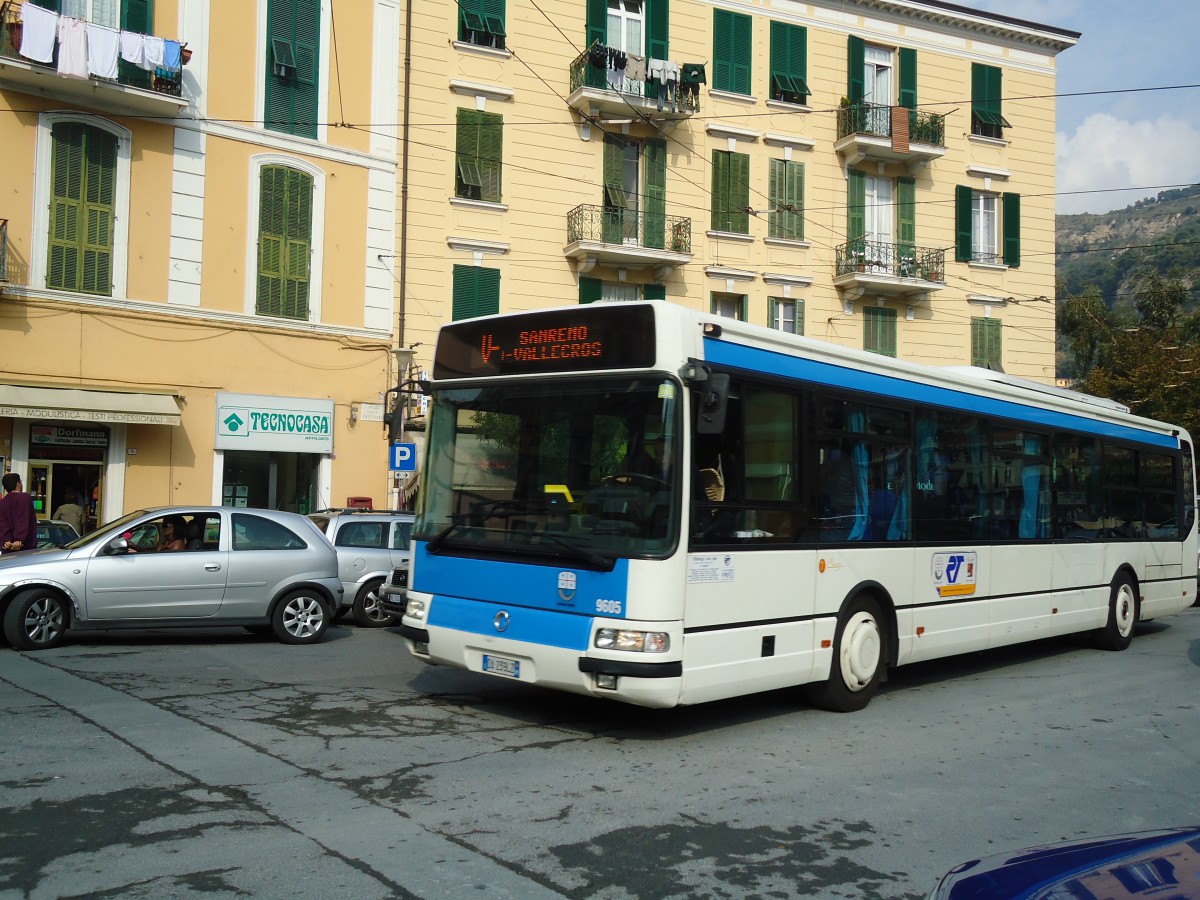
[{"x": 404, "y": 179}]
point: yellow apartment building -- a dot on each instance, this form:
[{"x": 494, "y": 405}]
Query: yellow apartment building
[
  {"x": 875, "y": 173},
  {"x": 197, "y": 235}
]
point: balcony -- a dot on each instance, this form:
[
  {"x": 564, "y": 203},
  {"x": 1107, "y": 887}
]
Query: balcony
[
  {"x": 3, "y": 249},
  {"x": 134, "y": 91},
  {"x": 594, "y": 95},
  {"x": 628, "y": 239},
  {"x": 888, "y": 270},
  {"x": 868, "y": 131}
]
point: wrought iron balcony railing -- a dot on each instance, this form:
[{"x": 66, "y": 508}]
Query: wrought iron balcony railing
[
  {"x": 899, "y": 260},
  {"x": 128, "y": 74},
  {"x": 3, "y": 249},
  {"x": 875, "y": 120},
  {"x": 679, "y": 98},
  {"x": 631, "y": 228}
]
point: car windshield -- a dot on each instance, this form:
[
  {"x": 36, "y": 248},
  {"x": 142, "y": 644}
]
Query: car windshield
[
  {"x": 109, "y": 531},
  {"x": 563, "y": 469}
]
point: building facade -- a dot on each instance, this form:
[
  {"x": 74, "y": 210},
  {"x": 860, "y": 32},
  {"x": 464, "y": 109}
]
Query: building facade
[
  {"x": 196, "y": 273},
  {"x": 876, "y": 174}
]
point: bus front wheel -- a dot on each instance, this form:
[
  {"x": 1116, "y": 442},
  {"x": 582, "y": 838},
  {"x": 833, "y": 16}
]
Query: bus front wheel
[
  {"x": 1122, "y": 615},
  {"x": 859, "y": 660}
]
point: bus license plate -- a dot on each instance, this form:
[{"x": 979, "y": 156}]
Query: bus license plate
[{"x": 499, "y": 665}]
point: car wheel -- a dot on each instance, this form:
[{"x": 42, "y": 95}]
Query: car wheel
[
  {"x": 859, "y": 660},
  {"x": 300, "y": 618},
  {"x": 1117, "y": 633},
  {"x": 367, "y": 611},
  {"x": 36, "y": 620}
]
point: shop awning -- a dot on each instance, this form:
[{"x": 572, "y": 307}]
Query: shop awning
[{"x": 88, "y": 406}]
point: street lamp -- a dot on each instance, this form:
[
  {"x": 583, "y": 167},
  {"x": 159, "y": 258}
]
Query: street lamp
[{"x": 395, "y": 422}]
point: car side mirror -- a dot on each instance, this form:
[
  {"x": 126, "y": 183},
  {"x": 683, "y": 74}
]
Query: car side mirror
[{"x": 118, "y": 545}]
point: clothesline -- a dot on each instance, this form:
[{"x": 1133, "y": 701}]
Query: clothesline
[{"x": 86, "y": 49}]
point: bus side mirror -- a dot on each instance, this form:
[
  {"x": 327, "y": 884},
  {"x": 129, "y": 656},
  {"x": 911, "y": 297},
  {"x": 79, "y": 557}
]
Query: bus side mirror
[{"x": 714, "y": 397}]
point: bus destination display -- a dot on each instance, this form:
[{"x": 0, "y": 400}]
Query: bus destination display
[{"x": 589, "y": 338}]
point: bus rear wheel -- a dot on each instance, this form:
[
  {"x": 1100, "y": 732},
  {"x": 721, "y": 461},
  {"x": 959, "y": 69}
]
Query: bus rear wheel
[
  {"x": 1117, "y": 633},
  {"x": 859, "y": 660}
]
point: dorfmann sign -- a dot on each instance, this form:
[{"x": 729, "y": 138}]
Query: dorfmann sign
[{"x": 276, "y": 424}]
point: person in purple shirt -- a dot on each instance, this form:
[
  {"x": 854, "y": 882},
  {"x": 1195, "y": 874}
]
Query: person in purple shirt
[{"x": 18, "y": 521}]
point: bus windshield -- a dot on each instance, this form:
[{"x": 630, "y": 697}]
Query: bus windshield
[{"x": 564, "y": 469}]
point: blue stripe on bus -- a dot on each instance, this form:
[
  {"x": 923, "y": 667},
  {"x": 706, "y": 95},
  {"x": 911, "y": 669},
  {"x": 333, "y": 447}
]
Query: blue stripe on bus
[
  {"x": 533, "y": 626},
  {"x": 561, "y": 588},
  {"x": 755, "y": 360}
]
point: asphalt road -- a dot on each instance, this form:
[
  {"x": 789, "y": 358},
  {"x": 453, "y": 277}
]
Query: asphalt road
[{"x": 216, "y": 764}]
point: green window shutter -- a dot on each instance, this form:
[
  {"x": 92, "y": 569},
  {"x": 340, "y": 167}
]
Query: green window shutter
[
  {"x": 1011, "y": 212},
  {"x": 488, "y": 298},
  {"x": 720, "y": 190},
  {"x": 491, "y": 154},
  {"x": 476, "y": 292},
  {"x": 731, "y": 51},
  {"x": 963, "y": 250},
  {"x": 654, "y": 292},
  {"x": 590, "y": 289},
  {"x": 879, "y": 331},
  {"x": 597, "y": 21},
  {"x": 99, "y": 205},
  {"x": 789, "y": 61},
  {"x": 66, "y": 205},
  {"x": 908, "y": 78},
  {"x": 856, "y": 205},
  {"x": 994, "y": 92},
  {"x": 856, "y": 81},
  {"x": 478, "y": 154},
  {"x": 284, "y": 242},
  {"x": 739, "y": 192},
  {"x": 82, "y": 208},
  {"x": 136, "y": 16},
  {"x": 294, "y": 30},
  {"x": 657, "y": 28},
  {"x": 979, "y": 89},
  {"x": 470, "y": 18},
  {"x": 985, "y": 342},
  {"x": 785, "y": 195},
  {"x": 655, "y": 230},
  {"x": 906, "y": 217},
  {"x": 612, "y": 228}
]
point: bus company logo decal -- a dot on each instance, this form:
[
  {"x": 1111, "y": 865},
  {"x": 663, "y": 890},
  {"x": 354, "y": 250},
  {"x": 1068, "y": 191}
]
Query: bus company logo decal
[
  {"x": 500, "y": 623},
  {"x": 567, "y": 585},
  {"x": 954, "y": 573}
]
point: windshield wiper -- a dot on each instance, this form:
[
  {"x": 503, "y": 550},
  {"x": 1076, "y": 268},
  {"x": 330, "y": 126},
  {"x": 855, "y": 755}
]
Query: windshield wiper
[{"x": 595, "y": 560}]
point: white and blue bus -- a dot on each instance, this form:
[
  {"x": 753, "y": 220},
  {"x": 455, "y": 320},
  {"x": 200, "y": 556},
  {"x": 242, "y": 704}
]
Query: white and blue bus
[{"x": 642, "y": 502}]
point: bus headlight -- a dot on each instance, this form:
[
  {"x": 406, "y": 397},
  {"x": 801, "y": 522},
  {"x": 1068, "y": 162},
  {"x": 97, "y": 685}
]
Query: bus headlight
[
  {"x": 415, "y": 608},
  {"x": 634, "y": 641}
]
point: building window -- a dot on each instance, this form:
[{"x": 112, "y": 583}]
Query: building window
[
  {"x": 731, "y": 192},
  {"x": 481, "y": 22},
  {"x": 787, "y": 315},
  {"x": 476, "y": 292},
  {"x": 731, "y": 52},
  {"x": 985, "y": 343},
  {"x": 786, "y": 200},
  {"x": 789, "y": 63},
  {"x": 986, "y": 120},
  {"x": 285, "y": 207},
  {"x": 988, "y": 227},
  {"x": 83, "y": 160},
  {"x": 479, "y": 152},
  {"x": 293, "y": 54},
  {"x": 879, "y": 331},
  {"x": 731, "y": 306}
]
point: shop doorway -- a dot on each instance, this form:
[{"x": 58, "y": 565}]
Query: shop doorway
[
  {"x": 271, "y": 480},
  {"x": 55, "y": 484}
]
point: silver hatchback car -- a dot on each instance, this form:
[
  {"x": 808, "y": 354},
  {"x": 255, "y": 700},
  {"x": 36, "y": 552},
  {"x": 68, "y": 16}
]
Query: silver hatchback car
[
  {"x": 186, "y": 566},
  {"x": 370, "y": 543}
]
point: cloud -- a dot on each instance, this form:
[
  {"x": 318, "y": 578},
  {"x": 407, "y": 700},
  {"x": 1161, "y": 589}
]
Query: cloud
[{"x": 1106, "y": 152}]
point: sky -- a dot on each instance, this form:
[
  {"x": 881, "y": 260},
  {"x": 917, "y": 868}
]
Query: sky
[{"x": 1139, "y": 141}]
